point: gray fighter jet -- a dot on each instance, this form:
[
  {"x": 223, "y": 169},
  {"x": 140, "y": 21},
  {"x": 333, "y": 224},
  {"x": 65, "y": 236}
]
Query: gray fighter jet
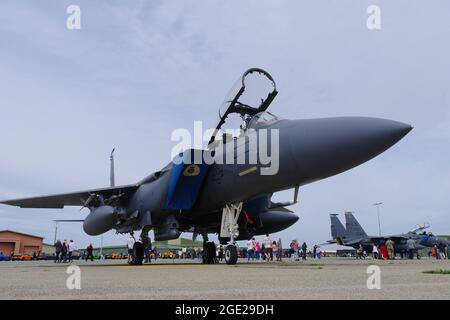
[
  {"x": 232, "y": 198},
  {"x": 353, "y": 235}
]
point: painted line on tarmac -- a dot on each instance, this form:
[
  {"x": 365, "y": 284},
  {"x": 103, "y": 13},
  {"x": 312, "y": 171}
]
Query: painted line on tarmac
[{"x": 169, "y": 265}]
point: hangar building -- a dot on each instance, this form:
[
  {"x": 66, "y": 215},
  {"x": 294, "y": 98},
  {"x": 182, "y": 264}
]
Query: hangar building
[{"x": 19, "y": 243}]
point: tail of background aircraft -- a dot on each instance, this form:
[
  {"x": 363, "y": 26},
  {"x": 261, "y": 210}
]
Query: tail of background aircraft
[
  {"x": 353, "y": 228},
  {"x": 337, "y": 229}
]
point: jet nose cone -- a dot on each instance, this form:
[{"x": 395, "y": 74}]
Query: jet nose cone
[{"x": 325, "y": 147}]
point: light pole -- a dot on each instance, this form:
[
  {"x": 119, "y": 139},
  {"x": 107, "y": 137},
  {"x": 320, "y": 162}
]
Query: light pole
[
  {"x": 378, "y": 204},
  {"x": 56, "y": 230},
  {"x": 101, "y": 246}
]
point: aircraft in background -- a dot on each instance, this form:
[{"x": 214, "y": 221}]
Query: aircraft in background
[
  {"x": 353, "y": 235},
  {"x": 232, "y": 200}
]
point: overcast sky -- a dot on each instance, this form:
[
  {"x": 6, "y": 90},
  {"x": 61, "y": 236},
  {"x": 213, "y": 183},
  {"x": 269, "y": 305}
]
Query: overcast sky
[{"x": 137, "y": 70}]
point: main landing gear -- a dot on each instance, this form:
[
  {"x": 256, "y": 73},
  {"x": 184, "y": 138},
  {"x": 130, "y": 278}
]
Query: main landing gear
[
  {"x": 138, "y": 254},
  {"x": 139, "y": 248},
  {"x": 209, "y": 250},
  {"x": 230, "y": 229}
]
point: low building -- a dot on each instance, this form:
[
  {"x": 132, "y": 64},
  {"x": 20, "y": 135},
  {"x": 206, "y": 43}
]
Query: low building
[
  {"x": 19, "y": 243},
  {"x": 48, "y": 249}
]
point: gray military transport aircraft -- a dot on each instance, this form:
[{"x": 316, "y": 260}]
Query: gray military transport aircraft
[
  {"x": 353, "y": 235},
  {"x": 232, "y": 200}
]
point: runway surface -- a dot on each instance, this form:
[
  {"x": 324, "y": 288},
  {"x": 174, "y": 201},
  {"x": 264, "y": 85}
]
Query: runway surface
[{"x": 329, "y": 278}]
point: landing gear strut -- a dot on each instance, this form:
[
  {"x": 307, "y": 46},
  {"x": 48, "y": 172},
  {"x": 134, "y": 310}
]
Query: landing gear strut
[{"x": 230, "y": 229}]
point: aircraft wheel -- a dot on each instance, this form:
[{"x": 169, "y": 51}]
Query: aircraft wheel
[
  {"x": 209, "y": 253},
  {"x": 138, "y": 253},
  {"x": 231, "y": 254}
]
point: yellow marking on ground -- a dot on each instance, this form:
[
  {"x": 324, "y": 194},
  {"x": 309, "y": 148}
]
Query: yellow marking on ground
[
  {"x": 243, "y": 173},
  {"x": 168, "y": 265}
]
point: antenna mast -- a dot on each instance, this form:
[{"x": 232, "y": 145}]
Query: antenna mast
[{"x": 112, "y": 176}]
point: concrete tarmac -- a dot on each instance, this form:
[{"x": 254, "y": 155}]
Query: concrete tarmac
[{"x": 328, "y": 278}]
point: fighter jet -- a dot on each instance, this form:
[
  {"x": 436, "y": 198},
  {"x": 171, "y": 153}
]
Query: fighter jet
[
  {"x": 353, "y": 235},
  {"x": 231, "y": 196}
]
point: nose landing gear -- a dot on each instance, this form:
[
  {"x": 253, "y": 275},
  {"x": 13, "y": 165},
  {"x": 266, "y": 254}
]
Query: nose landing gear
[
  {"x": 231, "y": 255},
  {"x": 230, "y": 229}
]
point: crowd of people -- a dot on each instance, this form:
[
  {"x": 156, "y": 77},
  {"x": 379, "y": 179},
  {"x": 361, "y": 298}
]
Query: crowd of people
[
  {"x": 385, "y": 250},
  {"x": 64, "y": 251},
  {"x": 265, "y": 250},
  {"x": 271, "y": 250},
  {"x": 440, "y": 252}
]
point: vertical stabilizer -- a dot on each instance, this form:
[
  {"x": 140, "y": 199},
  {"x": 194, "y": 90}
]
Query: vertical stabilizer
[
  {"x": 353, "y": 227},
  {"x": 337, "y": 229}
]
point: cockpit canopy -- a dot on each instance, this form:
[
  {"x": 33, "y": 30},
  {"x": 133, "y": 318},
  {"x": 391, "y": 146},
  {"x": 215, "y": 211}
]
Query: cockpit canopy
[
  {"x": 262, "y": 119},
  {"x": 249, "y": 98}
]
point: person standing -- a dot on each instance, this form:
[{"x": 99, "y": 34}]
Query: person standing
[
  {"x": 296, "y": 247},
  {"x": 280, "y": 250},
  {"x": 390, "y": 249},
  {"x": 58, "y": 249},
  {"x": 130, "y": 244},
  {"x": 411, "y": 245},
  {"x": 64, "y": 251},
  {"x": 220, "y": 253},
  {"x": 257, "y": 250},
  {"x": 379, "y": 251},
  {"x": 274, "y": 249},
  {"x": 71, "y": 248},
  {"x": 250, "y": 250},
  {"x": 304, "y": 248},
  {"x": 318, "y": 252},
  {"x": 267, "y": 247},
  {"x": 254, "y": 247},
  {"x": 314, "y": 251},
  {"x": 291, "y": 250},
  {"x": 90, "y": 252},
  {"x": 442, "y": 250},
  {"x": 383, "y": 250},
  {"x": 148, "y": 249},
  {"x": 374, "y": 252}
]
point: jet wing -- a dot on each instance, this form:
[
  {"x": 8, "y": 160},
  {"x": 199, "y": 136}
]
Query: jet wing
[
  {"x": 395, "y": 238},
  {"x": 70, "y": 199},
  {"x": 351, "y": 242}
]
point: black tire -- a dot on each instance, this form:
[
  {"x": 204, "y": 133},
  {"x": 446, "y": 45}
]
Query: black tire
[
  {"x": 209, "y": 253},
  {"x": 231, "y": 255},
  {"x": 138, "y": 254}
]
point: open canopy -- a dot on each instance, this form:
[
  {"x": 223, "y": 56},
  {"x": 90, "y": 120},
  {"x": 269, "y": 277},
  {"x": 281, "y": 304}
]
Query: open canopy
[{"x": 252, "y": 94}]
